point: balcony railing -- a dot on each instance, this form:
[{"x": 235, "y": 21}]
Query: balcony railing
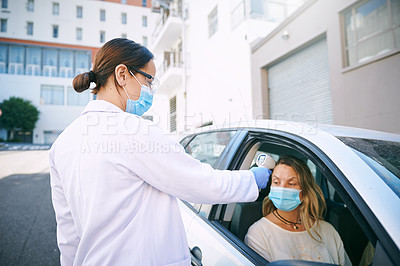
[
  {"x": 162, "y": 20},
  {"x": 262, "y": 10},
  {"x": 171, "y": 59}
]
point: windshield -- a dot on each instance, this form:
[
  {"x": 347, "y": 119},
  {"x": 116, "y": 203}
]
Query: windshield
[{"x": 382, "y": 156}]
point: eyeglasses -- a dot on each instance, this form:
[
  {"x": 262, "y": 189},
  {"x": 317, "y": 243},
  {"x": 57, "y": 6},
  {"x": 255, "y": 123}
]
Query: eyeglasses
[{"x": 153, "y": 82}]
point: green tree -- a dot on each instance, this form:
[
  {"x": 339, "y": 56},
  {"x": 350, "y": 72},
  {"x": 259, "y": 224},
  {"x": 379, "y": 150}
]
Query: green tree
[{"x": 18, "y": 115}]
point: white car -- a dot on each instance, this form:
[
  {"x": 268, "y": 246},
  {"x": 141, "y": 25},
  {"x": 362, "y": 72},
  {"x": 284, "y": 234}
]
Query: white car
[{"x": 358, "y": 171}]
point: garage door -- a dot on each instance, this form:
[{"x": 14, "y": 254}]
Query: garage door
[{"x": 299, "y": 86}]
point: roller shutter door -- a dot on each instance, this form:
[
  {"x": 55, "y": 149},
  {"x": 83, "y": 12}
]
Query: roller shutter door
[{"x": 299, "y": 86}]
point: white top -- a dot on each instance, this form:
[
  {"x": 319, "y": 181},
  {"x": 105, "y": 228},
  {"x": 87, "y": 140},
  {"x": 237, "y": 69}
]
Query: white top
[
  {"x": 115, "y": 178},
  {"x": 275, "y": 243}
]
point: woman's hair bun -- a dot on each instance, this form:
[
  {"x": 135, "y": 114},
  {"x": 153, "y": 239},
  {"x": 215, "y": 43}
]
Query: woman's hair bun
[
  {"x": 82, "y": 81},
  {"x": 92, "y": 76}
]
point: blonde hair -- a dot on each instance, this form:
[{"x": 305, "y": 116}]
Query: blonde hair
[{"x": 313, "y": 206}]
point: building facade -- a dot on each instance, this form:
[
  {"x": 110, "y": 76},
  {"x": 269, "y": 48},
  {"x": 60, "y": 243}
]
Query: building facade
[
  {"x": 44, "y": 44},
  {"x": 334, "y": 62},
  {"x": 203, "y": 55}
]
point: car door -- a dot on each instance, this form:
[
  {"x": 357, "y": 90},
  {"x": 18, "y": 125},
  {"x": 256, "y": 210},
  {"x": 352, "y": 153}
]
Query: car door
[
  {"x": 208, "y": 235},
  {"x": 361, "y": 232},
  {"x": 216, "y": 148}
]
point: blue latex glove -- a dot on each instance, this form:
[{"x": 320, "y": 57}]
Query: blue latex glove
[{"x": 261, "y": 175}]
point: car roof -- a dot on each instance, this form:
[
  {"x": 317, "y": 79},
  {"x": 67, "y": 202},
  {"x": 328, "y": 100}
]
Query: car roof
[{"x": 303, "y": 129}]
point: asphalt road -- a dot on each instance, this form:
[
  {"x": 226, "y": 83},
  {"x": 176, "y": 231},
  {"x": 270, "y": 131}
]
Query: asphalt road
[{"x": 27, "y": 223}]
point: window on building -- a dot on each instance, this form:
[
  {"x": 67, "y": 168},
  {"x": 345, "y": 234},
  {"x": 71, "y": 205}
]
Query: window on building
[
  {"x": 79, "y": 12},
  {"x": 213, "y": 22},
  {"x": 56, "y": 8},
  {"x": 102, "y": 15},
  {"x": 123, "y": 1},
  {"x": 30, "y": 6},
  {"x": 3, "y": 25},
  {"x": 52, "y": 94},
  {"x": 102, "y": 36},
  {"x": 3, "y": 58},
  {"x": 144, "y": 21},
  {"x": 172, "y": 114},
  {"x": 66, "y": 64},
  {"x": 4, "y": 3},
  {"x": 276, "y": 12},
  {"x": 144, "y": 41},
  {"x": 50, "y": 136},
  {"x": 82, "y": 60},
  {"x": 123, "y": 18},
  {"x": 33, "y": 61},
  {"x": 123, "y": 35},
  {"x": 55, "y": 31},
  {"x": 144, "y": 3},
  {"x": 36, "y": 61},
  {"x": 29, "y": 28},
  {"x": 50, "y": 62},
  {"x": 16, "y": 60},
  {"x": 371, "y": 29},
  {"x": 79, "y": 34},
  {"x": 79, "y": 99},
  {"x": 258, "y": 8}
]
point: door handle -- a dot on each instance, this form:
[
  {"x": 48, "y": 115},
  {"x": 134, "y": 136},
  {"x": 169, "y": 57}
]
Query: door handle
[{"x": 196, "y": 256}]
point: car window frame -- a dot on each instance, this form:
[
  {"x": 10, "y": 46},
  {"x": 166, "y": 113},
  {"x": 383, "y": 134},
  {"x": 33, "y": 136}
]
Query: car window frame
[
  {"x": 223, "y": 162},
  {"x": 224, "y": 158},
  {"x": 358, "y": 208},
  {"x": 230, "y": 148},
  {"x": 356, "y": 205}
]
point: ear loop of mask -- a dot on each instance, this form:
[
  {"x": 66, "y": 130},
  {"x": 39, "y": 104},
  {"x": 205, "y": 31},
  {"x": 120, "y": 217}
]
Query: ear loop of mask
[
  {"x": 136, "y": 80},
  {"x": 126, "y": 92}
]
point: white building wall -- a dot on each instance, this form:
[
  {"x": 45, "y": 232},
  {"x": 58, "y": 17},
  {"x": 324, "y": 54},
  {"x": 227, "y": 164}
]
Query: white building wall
[
  {"x": 219, "y": 79},
  {"x": 364, "y": 96},
  {"x": 57, "y": 117},
  {"x": 43, "y": 19},
  {"x": 51, "y": 117},
  {"x": 219, "y": 66}
]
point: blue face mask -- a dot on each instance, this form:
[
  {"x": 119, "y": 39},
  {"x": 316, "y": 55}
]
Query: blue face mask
[
  {"x": 141, "y": 105},
  {"x": 285, "y": 199}
]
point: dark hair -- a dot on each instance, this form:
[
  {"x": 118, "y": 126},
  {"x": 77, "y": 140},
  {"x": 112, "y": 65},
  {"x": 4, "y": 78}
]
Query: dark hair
[{"x": 114, "y": 52}]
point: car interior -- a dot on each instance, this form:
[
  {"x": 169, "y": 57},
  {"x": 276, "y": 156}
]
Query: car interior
[{"x": 238, "y": 217}]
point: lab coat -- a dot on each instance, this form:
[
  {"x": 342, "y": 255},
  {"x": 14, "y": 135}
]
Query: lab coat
[{"x": 115, "y": 180}]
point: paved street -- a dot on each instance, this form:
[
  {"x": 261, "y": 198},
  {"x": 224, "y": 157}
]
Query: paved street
[{"x": 27, "y": 224}]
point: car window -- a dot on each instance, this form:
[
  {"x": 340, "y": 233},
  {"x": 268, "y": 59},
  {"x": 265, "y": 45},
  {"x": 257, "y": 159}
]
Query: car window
[
  {"x": 358, "y": 247},
  {"x": 313, "y": 168},
  {"x": 208, "y": 147},
  {"x": 381, "y": 156},
  {"x": 186, "y": 140}
]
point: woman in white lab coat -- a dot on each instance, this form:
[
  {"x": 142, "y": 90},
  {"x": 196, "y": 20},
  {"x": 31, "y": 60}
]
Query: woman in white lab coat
[{"x": 115, "y": 177}]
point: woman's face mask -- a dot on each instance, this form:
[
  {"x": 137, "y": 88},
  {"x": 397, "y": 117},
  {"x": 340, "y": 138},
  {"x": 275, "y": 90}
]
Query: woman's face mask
[
  {"x": 141, "y": 105},
  {"x": 285, "y": 199}
]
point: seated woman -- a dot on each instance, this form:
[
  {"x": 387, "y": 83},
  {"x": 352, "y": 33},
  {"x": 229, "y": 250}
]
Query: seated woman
[{"x": 292, "y": 227}]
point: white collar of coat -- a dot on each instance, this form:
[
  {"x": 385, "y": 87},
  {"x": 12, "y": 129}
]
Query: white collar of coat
[{"x": 101, "y": 106}]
